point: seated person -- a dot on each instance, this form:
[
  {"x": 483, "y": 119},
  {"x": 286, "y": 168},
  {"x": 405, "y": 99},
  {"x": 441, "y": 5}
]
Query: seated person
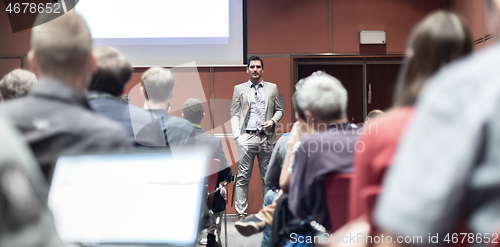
[
  {"x": 108, "y": 81},
  {"x": 321, "y": 104},
  {"x": 446, "y": 171},
  {"x": 55, "y": 117},
  {"x": 194, "y": 112},
  {"x": 272, "y": 180},
  {"x": 381, "y": 140},
  {"x": 157, "y": 86},
  {"x": 303, "y": 170}
]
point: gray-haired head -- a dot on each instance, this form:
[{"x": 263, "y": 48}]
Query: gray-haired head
[
  {"x": 193, "y": 110},
  {"x": 16, "y": 84},
  {"x": 323, "y": 95},
  {"x": 158, "y": 84}
]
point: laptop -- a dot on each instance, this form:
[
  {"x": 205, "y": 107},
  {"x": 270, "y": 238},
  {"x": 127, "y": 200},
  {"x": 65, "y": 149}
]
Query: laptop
[{"x": 139, "y": 199}]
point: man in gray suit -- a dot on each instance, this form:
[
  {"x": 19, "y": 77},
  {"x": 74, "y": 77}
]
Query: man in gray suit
[{"x": 255, "y": 112}]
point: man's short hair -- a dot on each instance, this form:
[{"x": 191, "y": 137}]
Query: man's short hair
[
  {"x": 16, "y": 84},
  {"x": 255, "y": 58},
  {"x": 323, "y": 95},
  {"x": 158, "y": 83},
  {"x": 193, "y": 110},
  {"x": 63, "y": 46},
  {"x": 113, "y": 71}
]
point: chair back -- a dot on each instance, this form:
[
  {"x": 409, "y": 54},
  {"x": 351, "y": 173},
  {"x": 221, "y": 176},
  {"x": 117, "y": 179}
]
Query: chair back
[
  {"x": 369, "y": 197},
  {"x": 337, "y": 198}
]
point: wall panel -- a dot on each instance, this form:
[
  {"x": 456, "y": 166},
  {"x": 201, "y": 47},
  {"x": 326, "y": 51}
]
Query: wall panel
[
  {"x": 287, "y": 26},
  {"x": 471, "y": 11},
  {"x": 12, "y": 43},
  {"x": 7, "y": 65},
  {"x": 394, "y": 16}
]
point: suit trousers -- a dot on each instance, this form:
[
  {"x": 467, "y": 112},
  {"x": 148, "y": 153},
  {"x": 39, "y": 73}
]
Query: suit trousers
[{"x": 249, "y": 146}]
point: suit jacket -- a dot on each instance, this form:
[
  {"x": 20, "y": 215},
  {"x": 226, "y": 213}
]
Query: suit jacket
[
  {"x": 214, "y": 144},
  {"x": 240, "y": 108},
  {"x": 56, "y": 119}
]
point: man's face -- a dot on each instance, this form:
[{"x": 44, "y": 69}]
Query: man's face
[{"x": 255, "y": 70}]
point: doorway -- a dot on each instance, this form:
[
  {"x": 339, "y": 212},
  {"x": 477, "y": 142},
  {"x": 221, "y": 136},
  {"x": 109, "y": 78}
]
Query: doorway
[{"x": 369, "y": 81}]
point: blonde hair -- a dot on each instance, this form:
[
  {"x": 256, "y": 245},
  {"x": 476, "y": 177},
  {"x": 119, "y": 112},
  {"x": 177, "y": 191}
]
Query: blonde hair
[{"x": 158, "y": 83}]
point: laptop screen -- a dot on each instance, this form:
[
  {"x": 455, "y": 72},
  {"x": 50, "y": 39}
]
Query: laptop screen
[{"x": 129, "y": 198}]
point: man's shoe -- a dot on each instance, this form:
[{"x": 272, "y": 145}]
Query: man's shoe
[
  {"x": 250, "y": 226},
  {"x": 241, "y": 217}
]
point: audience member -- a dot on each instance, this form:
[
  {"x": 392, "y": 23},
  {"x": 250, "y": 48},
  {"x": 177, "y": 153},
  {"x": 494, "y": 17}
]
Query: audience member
[
  {"x": 445, "y": 171},
  {"x": 272, "y": 180},
  {"x": 16, "y": 84},
  {"x": 273, "y": 172},
  {"x": 194, "y": 112},
  {"x": 373, "y": 114},
  {"x": 322, "y": 106},
  {"x": 25, "y": 217},
  {"x": 157, "y": 86},
  {"x": 321, "y": 142},
  {"x": 55, "y": 117},
  {"x": 434, "y": 42},
  {"x": 112, "y": 73}
]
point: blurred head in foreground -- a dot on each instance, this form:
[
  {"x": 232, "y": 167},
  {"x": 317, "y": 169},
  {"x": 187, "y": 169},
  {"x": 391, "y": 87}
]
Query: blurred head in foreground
[
  {"x": 62, "y": 49},
  {"x": 439, "y": 39}
]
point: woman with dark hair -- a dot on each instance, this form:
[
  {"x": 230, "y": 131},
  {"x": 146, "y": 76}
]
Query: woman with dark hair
[{"x": 439, "y": 39}]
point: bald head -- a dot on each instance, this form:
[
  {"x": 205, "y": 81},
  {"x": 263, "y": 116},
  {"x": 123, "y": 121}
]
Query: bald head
[
  {"x": 61, "y": 48},
  {"x": 373, "y": 114}
]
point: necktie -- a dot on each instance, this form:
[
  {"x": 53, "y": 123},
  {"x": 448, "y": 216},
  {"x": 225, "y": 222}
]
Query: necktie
[{"x": 258, "y": 108}]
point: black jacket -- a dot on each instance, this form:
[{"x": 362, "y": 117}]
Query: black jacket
[
  {"x": 56, "y": 119},
  {"x": 214, "y": 144}
]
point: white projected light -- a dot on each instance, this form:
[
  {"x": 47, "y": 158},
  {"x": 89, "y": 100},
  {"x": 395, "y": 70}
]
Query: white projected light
[
  {"x": 128, "y": 198},
  {"x": 168, "y": 32}
]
